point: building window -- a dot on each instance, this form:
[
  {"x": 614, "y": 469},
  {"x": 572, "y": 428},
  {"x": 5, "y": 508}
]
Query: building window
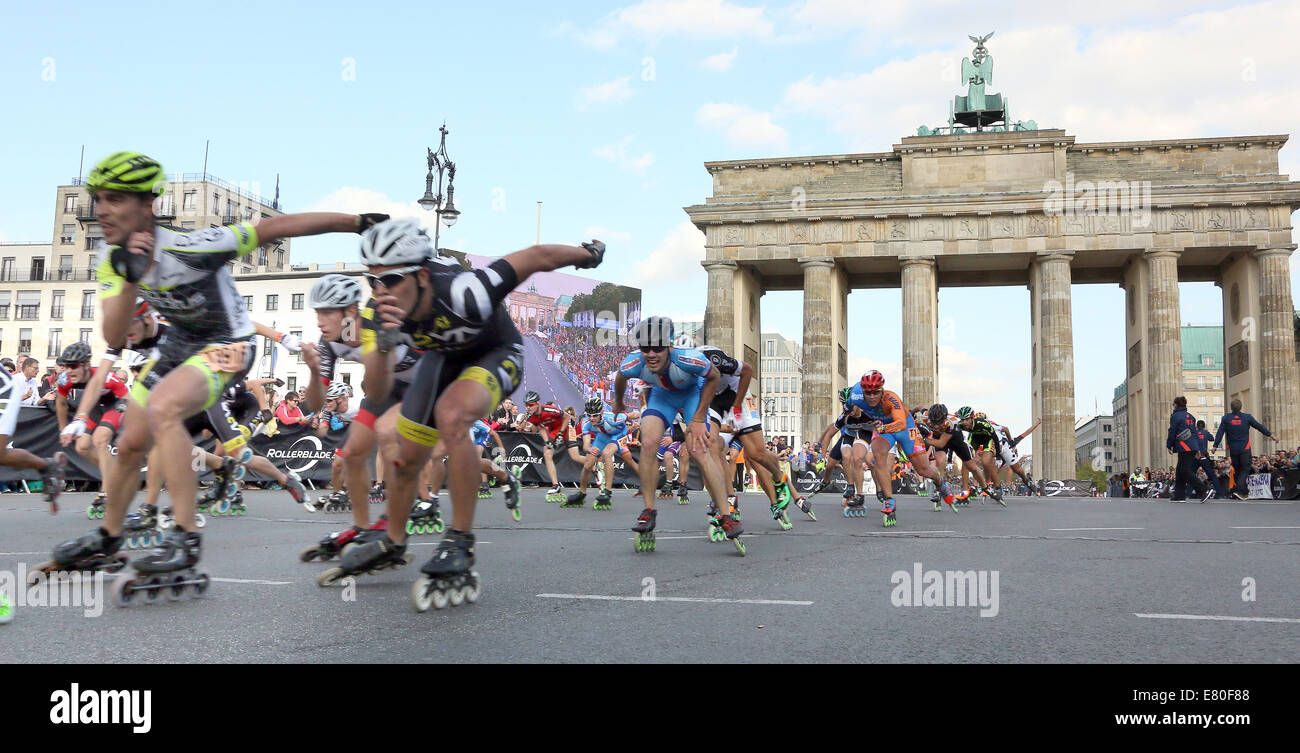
[
  {"x": 270, "y": 345},
  {"x": 273, "y": 302},
  {"x": 56, "y": 344},
  {"x": 1207, "y": 360},
  {"x": 29, "y": 304},
  {"x": 291, "y": 383},
  {"x": 794, "y": 384},
  {"x": 347, "y": 379},
  {"x": 24, "y": 342},
  {"x": 248, "y": 303},
  {"x": 69, "y": 235},
  {"x": 296, "y": 303},
  {"x": 216, "y": 203},
  {"x": 38, "y": 270},
  {"x": 85, "y": 336},
  {"x": 191, "y": 201},
  {"x": 771, "y": 347},
  {"x": 65, "y": 267},
  {"x": 69, "y": 203},
  {"x": 7, "y": 269},
  {"x": 87, "y": 304},
  {"x": 56, "y": 305},
  {"x": 279, "y": 258},
  {"x": 261, "y": 257},
  {"x": 5, "y": 296},
  {"x": 1106, "y": 441}
]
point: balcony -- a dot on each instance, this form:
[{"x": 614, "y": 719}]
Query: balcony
[
  {"x": 28, "y": 313},
  {"x": 51, "y": 275}
]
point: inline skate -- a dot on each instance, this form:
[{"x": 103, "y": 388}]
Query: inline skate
[
  {"x": 369, "y": 558},
  {"x": 888, "y": 510},
  {"x": 665, "y": 491},
  {"x": 856, "y": 507},
  {"x": 52, "y": 479},
  {"x": 167, "y": 571},
  {"x": 993, "y": 492},
  {"x": 448, "y": 578},
  {"x": 94, "y": 551},
  {"x": 331, "y": 546},
  {"x": 645, "y": 530},
  {"x": 425, "y": 518},
  {"x": 95, "y": 510},
  {"x": 484, "y": 491},
  {"x": 727, "y": 527},
  {"x": 683, "y": 495},
  {"x": 511, "y": 486},
  {"x": 556, "y": 494},
  {"x": 293, "y": 485},
  {"x": 781, "y": 511},
  {"x": 577, "y": 499},
  {"x": 333, "y": 502},
  {"x": 378, "y": 494},
  {"x": 141, "y": 529},
  {"x": 167, "y": 519},
  {"x": 604, "y": 500},
  {"x": 805, "y": 504},
  {"x": 716, "y": 533}
]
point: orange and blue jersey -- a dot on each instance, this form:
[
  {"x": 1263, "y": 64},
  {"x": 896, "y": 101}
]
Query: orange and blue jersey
[
  {"x": 896, "y": 424},
  {"x": 676, "y": 387}
]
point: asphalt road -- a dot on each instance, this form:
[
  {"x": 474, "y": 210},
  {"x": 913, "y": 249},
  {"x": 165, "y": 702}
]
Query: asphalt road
[
  {"x": 545, "y": 378},
  {"x": 1075, "y": 578}
]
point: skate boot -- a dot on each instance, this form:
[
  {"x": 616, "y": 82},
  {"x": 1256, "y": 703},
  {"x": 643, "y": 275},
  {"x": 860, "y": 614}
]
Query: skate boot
[
  {"x": 934, "y": 499},
  {"x": 855, "y": 507},
  {"x": 963, "y": 498},
  {"x": 52, "y": 480},
  {"x": 782, "y": 489},
  {"x": 716, "y": 533},
  {"x": 997, "y": 497},
  {"x": 731, "y": 529},
  {"x": 645, "y": 530},
  {"x": 140, "y": 529},
  {"x": 511, "y": 487},
  {"x": 95, "y": 510},
  {"x": 376, "y": 531},
  {"x": 330, "y": 546},
  {"x": 946, "y": 495},
  {"x": 449, "y": 577},
  {"x": 734, "y": 502},
  {"x": 166, "y": 519},
  {"x": 369, "y": 558},
  {"x": 237, "y": 506},
  {"x": 577, "y": 499},
  {"x": 166, "y": 571},
  {"x": 805, "y": 504},
  {"x": 293, "y": 485},
  {"x": 93, "y": 552},
  {"x": 665, "y": 491},
  {"x": 683, "y": 495},
  {"x": 604, "y": 500},
  {"x": 887, "y": 510},
  {"x": 335, "y": 502},
  {"x": 781, "y": 510},
  {"x": 425, "y": 518},
  {"x": 484, "y": 491},
  {"x": 555, "y": 494},
  {"x": 378, "y": 494},
  {"x": 224, "y": 489}
]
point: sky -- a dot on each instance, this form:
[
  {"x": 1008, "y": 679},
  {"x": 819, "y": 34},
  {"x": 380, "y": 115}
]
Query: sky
[{"x": 606, "y": 114}]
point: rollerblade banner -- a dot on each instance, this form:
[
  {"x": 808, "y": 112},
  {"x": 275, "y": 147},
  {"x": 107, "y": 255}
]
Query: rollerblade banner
[{"x": 1069, "y": 487}]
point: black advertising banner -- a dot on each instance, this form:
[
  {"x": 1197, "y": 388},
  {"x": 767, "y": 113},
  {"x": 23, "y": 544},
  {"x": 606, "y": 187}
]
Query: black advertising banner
[{"x": 1286, "y": 484}]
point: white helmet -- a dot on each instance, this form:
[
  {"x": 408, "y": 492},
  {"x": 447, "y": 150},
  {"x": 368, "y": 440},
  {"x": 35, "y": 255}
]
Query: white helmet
[
  {"x": 337, "y": 390},
  {"x": 395, "y": 242},
  {"x": 684, "y": 341},
  {"x": 335, "y": 291}
]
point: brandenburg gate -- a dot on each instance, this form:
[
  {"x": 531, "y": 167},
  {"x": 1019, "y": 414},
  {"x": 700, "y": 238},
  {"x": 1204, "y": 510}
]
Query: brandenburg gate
[{"x": 1017, "y": 205}]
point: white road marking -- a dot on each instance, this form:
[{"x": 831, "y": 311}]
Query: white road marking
[
  {"x": 1221, "y": 618},
  {"x": 1244, "y": 528},
  {"x": 1096, "y": 529},
  {"x": 690, "y": 599},
  {"x": 7, "y": 554},
  {"x": 435, "y": 543},
  {"x": 253, "y": 582}
]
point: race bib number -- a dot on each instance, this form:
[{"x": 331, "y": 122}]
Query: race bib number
[{"x": 227, "y": 359}]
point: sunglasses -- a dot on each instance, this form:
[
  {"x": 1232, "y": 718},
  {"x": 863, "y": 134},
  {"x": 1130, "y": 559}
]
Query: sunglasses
[
  {"x": 391, "y": 278},
  {"x": 653, "y": 349}
]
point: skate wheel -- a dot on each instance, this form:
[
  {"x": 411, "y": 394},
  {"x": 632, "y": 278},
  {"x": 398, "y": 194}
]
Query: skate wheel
[
  {"x": 122, "y": 592},
  {"x": 199, "y": 520},
  {"x": 329, "y": 577},
  {"x": 740, "y": 545},
  {"x": 421, "y": 594},
  {"x": 438, "y": 597},
  {"x": 457, "y": 596},
  {"x": 201, "y": 583},
  {"x": 411, "y": 528},
  {"x": 309, "y": 554},
  {"x": 176, "y": 590},
  {"x": 473, "y": 590},
  {"x": 439, "y": 526}
]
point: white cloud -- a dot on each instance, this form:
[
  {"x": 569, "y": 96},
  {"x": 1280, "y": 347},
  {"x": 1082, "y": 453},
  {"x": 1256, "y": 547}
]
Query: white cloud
[
  {"x": 608, "y": 93},
  {"x": 677, "y": 257},
  {"x": 721, "y": 62},
  {"x": 656, "y": 19},
  {"x": 605, "y": 234},
  {"x": 617, "y": 153},
  {"x": 744, "y": 126}
]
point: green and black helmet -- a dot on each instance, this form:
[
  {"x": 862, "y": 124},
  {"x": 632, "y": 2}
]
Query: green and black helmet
[
  {"x": 844, "y": 395},
  {"x": 128, "y": 171},
  {"x": 965, "y": 412},
  {"x": 594, "y": 406}
]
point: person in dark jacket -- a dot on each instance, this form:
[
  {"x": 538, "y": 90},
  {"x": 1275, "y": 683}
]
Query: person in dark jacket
[
  {"x": 1204, "y": 461},
  {"x": 1236, "y": 426},
  {"x": 1182, "y": 440}
]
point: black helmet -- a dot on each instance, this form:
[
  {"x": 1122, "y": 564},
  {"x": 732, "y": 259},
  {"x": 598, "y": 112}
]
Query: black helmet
[
  {"x": 938, "y": 412},
  {"x": 656, "y": 332},
  {"x": 532, "y": 397},
  {"x": 594, "y": 405},
  {"x": 77, "y": 352}
]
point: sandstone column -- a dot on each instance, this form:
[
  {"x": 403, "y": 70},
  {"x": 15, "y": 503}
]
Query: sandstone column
[
  {"x": 920, "y": 330},
  {"x": 1279, "y": 383},
  {"x": 720, "y": 309},
  {"x": 1164, "y": 349},
  {"x": 816, "y": 399},
  {"x": 1054, "y": 440}
]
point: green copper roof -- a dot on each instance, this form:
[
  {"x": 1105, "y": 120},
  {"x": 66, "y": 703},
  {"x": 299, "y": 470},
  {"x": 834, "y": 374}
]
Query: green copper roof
[{"x": 1199, "y": 342}]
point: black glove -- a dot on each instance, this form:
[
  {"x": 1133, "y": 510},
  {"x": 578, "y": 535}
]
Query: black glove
[
  {"x": 597, "y": 250},
  {"x": 130, "y": 266},
  {"x": 279, "y": 383},
  {"x": 369, "y": 220}
]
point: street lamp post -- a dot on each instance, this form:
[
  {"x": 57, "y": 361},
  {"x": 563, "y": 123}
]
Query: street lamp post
[{"x": 447, "y": 214}]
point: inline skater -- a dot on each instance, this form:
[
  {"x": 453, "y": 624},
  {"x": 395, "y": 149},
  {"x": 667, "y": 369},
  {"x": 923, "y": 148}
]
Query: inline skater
[
  {"x": 896, "y": 430},
  {"x": 472, "y": 356},
  {"x": 553, "y": 424},
  {"x": 183, "y": 275},
  {"x": 95, "y": 394},
  {"x": 1007, "y": 454},
  {"x": 856, "y": 429},
  {"x": 481, "y": 433},
  {"x": 52, "y": 469},
  {"x": 985, "y": 442},
  {"x": 946, "y": 435},
  {"x": 606, "y": 430},
  {"x": 684, "y": 384}
]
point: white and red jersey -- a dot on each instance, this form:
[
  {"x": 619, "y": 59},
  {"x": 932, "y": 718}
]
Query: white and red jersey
[
  {"x": 114, "y": 389},
  {"x": 548, "y": 417}
]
